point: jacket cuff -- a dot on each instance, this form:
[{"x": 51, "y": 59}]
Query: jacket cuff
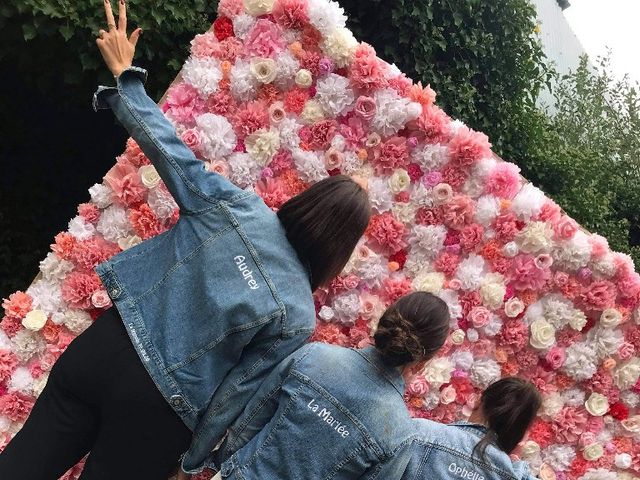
[{"x": 103, "y": 93}]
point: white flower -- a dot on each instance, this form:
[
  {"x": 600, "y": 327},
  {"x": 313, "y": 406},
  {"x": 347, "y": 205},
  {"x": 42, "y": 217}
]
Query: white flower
[
  {"x": 242, "y": 25},
  {"x": 38, "y": 384},
  {"x": 340, "y": 46},
  {"x": 471, "y": 271},
  {"x": 202, "y": 73},
  {"x": 510, "y": 249},
  {"x": 77, "y": 321},
  {"x": 535, "y": 237},
  {"x": 263, "y": 145},
  {"x": 127, "y": 242},
  {"x": 600, "y": 474},
  {"x": 631, "y": 424},
  {"x": 243, "y": 170},
  {"x": 5, "y": 341},
  {"x": 309, "y": 165},
  {"x": 47, "y": 296},
  {"x": 431, "y": 282},
  {"x": 458, "y": 336},
  {"x": 580, "y": 362},
  {"x": 610, "y": 318},
  {"x": 572, "y": 254},
  {"x": 597, "y": 404},
  {"x": 472, "y": 335},
  {"x": 244, "y": 86},
  {"x": 25, "y": 344},
  {"x": 462, "y": 359},
  {"x": 346, "y": 307},
  {"x": 264, "y": 69},
  {"x": 34, "y": 320},
  {"x": 114, "y": 223},
  {"x": 437, "y": 372},
  {"x": 593, "y": 452},
  {"x": 21, "y": 380},
  {"x": 450, "y": 297},
  {"x": 573, "y": 397},
  {"x": 380, "y": 196},
  {"x": 218, "y": 137},
  {"x": 487, "y": 209},
  {"x": 81, "y": 229},
  {"x": 552, "y": 404},
  {"x": 149, "y": 176},
  {"x": 558, "y": 457},
  {"x": 513, "y": 307},
  {"x": 286, "y": 67},
  {"x": 312, "y": 112},
  {"x": 258, "y": 7},
  {"x": 430, "y": 157},
  {"x": 627, "y": 397},
  {"x": 326, "y": 313},
  {"x": 54, "y": 268},
  {"x": 484, "y": 372},
  {"x": 605, "y": 340},
  {"x": 529, "y": 449},
  {"x": 493, "y": 326},
  {"x": 162, "y": 203},
  {"x": 392, "y": 112},
  {"x": 101, "y": 195},
  {"x": 289, "y": 138},
  {"x": 431, "y": 400},
  {"x": 334, "y": 94},
  {"x": 623, "y": 460},
  {"x": 399, "y": 180},
  {"x": 428, "y": 239},
  {"x": 326, "y": 16},
  {"x": 447, "y": 395},
  {"x": 421, "y": 196},
  {"x": 578, "y": 320},
  {"x": 626, "y": 375},
  {"x": 304, "y": 78},
  {"x": 604, "y": 266},
  {"x": 528, "y": 202},
  {"x": 493, "y": 290}
]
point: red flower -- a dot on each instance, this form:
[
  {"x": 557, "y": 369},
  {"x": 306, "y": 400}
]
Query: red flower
[
  {"x": 223, "y": 28},
  {"x": 619, "y": 411},
  {"x": 400, "y": 257}
]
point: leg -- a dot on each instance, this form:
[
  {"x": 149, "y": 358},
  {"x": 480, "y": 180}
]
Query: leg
[{"x": 141, "y": 437}]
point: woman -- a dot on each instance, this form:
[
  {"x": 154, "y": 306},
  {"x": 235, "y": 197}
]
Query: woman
[
  {"x": 332, "y": 412},
  {"x": 480, "y": 448},
  {"x": 202, "y": 312}
]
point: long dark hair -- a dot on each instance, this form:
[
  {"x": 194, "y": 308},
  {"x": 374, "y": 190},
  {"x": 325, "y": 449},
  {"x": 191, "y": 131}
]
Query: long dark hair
[
  {"x": 414, "y": 328},
  {"x": 324, "y": 224},
  {"x": 508, "y": 407}
]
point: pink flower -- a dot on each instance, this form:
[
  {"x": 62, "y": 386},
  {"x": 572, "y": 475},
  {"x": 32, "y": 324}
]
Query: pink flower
[
  {"x": 506, "y": 227},
  {"x": 565, "y": 228},
  {"x": 432, "y": 179},
  {"x": 230, "y": 49},
  {"x": 205, "y": 45},
  {"x": 458, "y": 212},
  {"x": 320, "y": 134},
  {"x": 333, "y": 159},
  {"x": 418, "y": 386},
  {"x": 435, "y": 124},
  {"x": 17, "y": 305},
  {"x": 291, "y": 14},
  {"x": 183, "y": 103},
  {"x": 479, "y": 316},
  {"x": 626, "y": 351},
  {"x": 91, "y": 252},
  {"x": 550, "y": 211},
  {"x": 447, "y": 263},
  {"x": 390, "y": 155},
  {"x": 100, "y": 299},
  {"x": 191, "y": 139},
  {"x": 386, "y": 232},
  {"x": 329, "y": 333},
  {"x": 125, "y": 182},
  {"x": 250, "y": 117},
  {"x": 514, "y": 334},
  {"x": 134, "y": 154},
  {"x": 467, "y": 147},
  {"x": 353, "y": 131},
  {"x": 365, "y": 107},
  {"x": 264, "y": 40},
  {"x": 503, "y": 181},
  {"x": 629, "y": 285},
  {"x": 8, "y": 363},
  {"x": 454, "y": 176},
  {"x": 394, "y": 288},
  {"x": 90, "y": 212},
  {"x": 599, "y": 295},
  {"x": 220, "y": 167},
  {"x": 471, "y": 236},
  {"x": 78, "y": 287},
  {"x": 568, "y": 424},
  {"x": 526, "y": 275},
  {"x": 230, "y": 8},
  {"x": 144, "y": 222},
  {"x": 367, "y": 70},
  {"x": 11, "y": 325},
  {"x": 272, "y": 193},
  {"x": 281, "y": 161},
  {"x": 221, "y": 103},
  {"x": 599, "y": 245},
  {"x": 16, "y": 406},
  {"x": 555, "y": 357}
]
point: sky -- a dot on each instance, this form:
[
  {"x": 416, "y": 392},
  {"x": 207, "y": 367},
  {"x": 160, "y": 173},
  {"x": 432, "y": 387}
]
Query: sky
[{"x": 609, "y": 23}]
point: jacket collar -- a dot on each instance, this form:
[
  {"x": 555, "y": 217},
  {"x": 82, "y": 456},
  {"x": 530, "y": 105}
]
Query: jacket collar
[
  {"x": 391, "y": 374},
  {"x": 476, "y": 427}
]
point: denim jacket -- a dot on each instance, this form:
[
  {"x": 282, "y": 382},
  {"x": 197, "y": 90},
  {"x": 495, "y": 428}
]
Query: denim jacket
[
  {"x": 213, "y": 304},
  {"x": 326, "y": 412},
  {"x": 447, "y": 452}
]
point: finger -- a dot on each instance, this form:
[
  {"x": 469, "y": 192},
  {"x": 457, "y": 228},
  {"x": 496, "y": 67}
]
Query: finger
[
  {"x": 107, "y": 9},
  {"x": 133, "y": 39},
  {"x": 101, "y": 34},
  {"x": 122, "y": 16}
]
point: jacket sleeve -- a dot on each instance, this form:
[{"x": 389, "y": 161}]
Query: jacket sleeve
[
  {"x": 191, "y": 185},
  {"x": 235, "y": 393}
]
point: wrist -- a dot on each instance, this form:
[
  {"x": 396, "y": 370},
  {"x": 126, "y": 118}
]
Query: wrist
[{"x": 116, "y": 71}]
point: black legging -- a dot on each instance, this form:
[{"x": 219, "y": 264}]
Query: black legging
[{"x": 99, "y": 400}]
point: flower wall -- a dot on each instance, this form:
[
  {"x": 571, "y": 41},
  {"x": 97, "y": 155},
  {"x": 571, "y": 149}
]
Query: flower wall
[{"x": 278, "y": 95}]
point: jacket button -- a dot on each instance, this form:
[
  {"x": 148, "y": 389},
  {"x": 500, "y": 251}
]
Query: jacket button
[
  {"x": 115, "y": 291},
  {"x": 177, "y": 401}
]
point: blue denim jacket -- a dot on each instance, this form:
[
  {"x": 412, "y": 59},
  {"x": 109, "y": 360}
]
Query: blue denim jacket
[
  {"x": 326, "y": 412},
  {"x": 447, "y": 452},
  {"x": 216, "y": 302}
]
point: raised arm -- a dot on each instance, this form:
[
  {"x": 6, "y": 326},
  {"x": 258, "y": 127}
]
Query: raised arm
[{"x": 192, "y": 186}]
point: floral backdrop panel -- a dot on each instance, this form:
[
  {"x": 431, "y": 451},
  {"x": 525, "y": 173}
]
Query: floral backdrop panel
[{"x": 278, "y": 95}]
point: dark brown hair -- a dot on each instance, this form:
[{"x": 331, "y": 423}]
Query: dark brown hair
[
  {"x": 412, "y": 329},
  {"x": 324, "y": 224},
  {"x": 508, "y": 407}
]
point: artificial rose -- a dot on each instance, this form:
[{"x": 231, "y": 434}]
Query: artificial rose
[
  {"x": 304, "y": 78},
  {"x": 593, "y": 452},
  {"x": 457, "y": 337},
  {"x": 34, "y": 320},
  {"x": 365, "y": 107},
  {"x": 149, "y": 176},
  {"x": 264, "y": 70},
  {"x": 448, "y": 395},
  {"x": 258, "y": 7},
  {"x": 597, "y": 404},
  {"x": 610, "y": 318},
  {"x": 543, "y": 335},
  {"x": 513, "y": 307},
  {"x": 627, "y": 374}
]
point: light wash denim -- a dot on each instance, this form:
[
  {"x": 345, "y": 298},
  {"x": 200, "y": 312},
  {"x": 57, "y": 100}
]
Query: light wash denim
[
  {"x": 326, "y": 412},
  {"x": 216, "y": 302},
  {"x": 447, "y": 452}
]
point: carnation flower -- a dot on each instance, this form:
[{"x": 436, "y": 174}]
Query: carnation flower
[
  {"x": 310, "y": 166},
  {"x": 484, "y": 372},
  {"x": 528, "y": 202},
  {"x": 558, "y": 457},
  {"x": 183, "y": 103},
  {"x": 580, "y": 363},
  {"x": 204, "y": 74},
  {"x": 340, "y": 46},
  {"x": 218, "y": 137},
  {"x": 263, "y": 145},
  {"x": 334, "y": 94},
  {"x": 243, "y": 170},
  {"x": 54, "y": 268},
  {"x": 244, "y": 84},
  {"x": 326, "y": 16},
  {"x": 392, "y": 112}
]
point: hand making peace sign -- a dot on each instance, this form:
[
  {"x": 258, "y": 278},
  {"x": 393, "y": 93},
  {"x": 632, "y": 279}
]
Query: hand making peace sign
[{"x": 116, "y": 48}]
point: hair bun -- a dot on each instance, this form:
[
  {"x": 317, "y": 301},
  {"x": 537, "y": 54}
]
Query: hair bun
[{"x": 395, "y": 338}]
